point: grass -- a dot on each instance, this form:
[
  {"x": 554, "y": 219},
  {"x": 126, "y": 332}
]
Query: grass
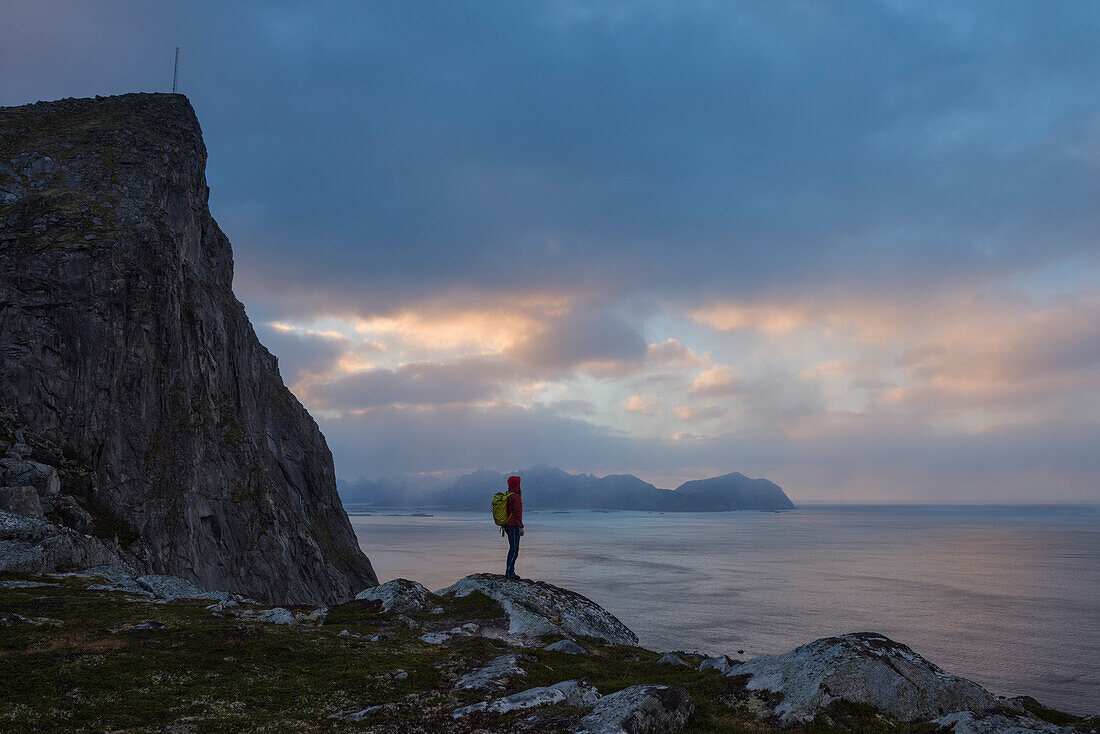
[{"x": 83, "y": 667}]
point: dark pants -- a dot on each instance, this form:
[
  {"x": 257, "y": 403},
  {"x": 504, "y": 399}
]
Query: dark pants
[{"x": 512, "y": 532}]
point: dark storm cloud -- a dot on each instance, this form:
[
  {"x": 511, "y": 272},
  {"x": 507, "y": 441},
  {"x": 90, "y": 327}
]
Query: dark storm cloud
[
  {"x": 393, "y": 440},
  {"x": 300, "y": 354},
  {"x": 577, "y": 339},
  {"x": 362, "y": 153},
  {"x": 421, "y": 383}
]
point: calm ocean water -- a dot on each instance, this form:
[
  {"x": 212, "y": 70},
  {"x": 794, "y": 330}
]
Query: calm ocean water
[{"x": 1006, "y": 596}]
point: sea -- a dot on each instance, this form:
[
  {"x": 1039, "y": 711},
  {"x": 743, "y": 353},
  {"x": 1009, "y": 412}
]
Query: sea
[{"x": 1008, "y": 596}]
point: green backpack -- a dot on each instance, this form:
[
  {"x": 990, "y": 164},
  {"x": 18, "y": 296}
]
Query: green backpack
[{"x": 500, "y": 508}]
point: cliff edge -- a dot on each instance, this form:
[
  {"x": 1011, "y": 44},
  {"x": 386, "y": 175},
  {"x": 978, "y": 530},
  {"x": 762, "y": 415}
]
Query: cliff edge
[{"x": 122, "y": 344}]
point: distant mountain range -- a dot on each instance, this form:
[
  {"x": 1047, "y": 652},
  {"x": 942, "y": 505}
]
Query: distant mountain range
[{"x": 550, "y": 488}]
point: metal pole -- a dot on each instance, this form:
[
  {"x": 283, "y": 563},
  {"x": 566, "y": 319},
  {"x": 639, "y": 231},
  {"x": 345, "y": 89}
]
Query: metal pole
[{"x": 176, "y": 72}]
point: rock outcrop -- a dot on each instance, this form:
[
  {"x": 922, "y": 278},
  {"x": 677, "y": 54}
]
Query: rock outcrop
[
  {"x": 400, "y": 595},
  {"x": 570, "y": 693},
  {"x": 462, "y": 686},
  {"x": 500, "y": 670},
  {"x": 720, "y": 663},
  {"x": 30, "y": 545},
  {"x": 568, "y": 647},
  {"x": 865, "y": 668},
  {"x": 122, "y": 345},
  {"x": 968, "y": 722},
  {"x": 639, "y": 709},
  {"x": 536, "y": 608}
]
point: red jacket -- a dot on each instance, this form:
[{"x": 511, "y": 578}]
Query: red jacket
[{"x": 515, "y": 503}]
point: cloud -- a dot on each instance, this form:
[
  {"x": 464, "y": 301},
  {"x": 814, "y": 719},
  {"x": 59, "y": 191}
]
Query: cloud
[
  {"x": 671, "y": 353},
  {"x": 1028, "y": 358},
  {"x": 352, "y": 176},
  {"x": 718, "y": 381},
  {"x": 776, "y": 320},
  {"x": 416, "y": 384},
  {"x": 698, "y": 414},
  {"x": 642, "y": 404},
  {"x": 395, "y": 440},
  {"x": 597, "y": 340},
  {"x": 885, "y": 261},
  {"x": 302, "y": 352}
]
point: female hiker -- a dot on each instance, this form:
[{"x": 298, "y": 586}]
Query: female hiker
[{"x": 514, "y": 526}]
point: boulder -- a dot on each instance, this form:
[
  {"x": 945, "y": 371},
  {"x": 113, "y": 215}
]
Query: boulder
[
  {"x": 317, "y": 616},
  {"x": 277, "y": 615},
  {"x": 722, "y": 663},
  {"x": 569, "y": 647},
  {"x": 70, "y": 514},
  {"x": 401, "y": 595},
  {"x": 491, "y": 676},
  {"x": 648, "y": 708},
  {"x": 535, "y": 608},
  {"x": 570, "y": 693},
  {"x": 173, "y": 587},
  {"x": 969, "y": 722},
  {"x": 221, "y": 606},
  {"x": 123, "y": 586},
  {"x": 865, "y": 668},
  {"x": 29, "y": 545},
  {"x": 670, "y": 659},
  {"x": 148, "y": 624},
  {"x": 158, "y": 586},
  {"x": 109, "y": 573},
  {"x": 366, "y": 713},
  {"x": 26, "y": 472},
  {"x": 16, "y": 527},
  {"x": 21, "y": 501}
]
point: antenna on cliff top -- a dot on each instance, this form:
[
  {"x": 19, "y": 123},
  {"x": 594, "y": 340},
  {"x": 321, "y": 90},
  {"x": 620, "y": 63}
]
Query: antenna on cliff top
[{"x": 176, "y": 72}]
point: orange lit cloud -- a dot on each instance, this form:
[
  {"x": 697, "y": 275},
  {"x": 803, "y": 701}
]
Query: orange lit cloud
[
  {"x": 471, "y": 332},
  {"x": 1026, "y": 359},
  {"x": 772, "y": 319},
  {"x": 671, "y": 353},
  {"x": 694, "y": 414},
  {"x": 642, "y": 404},
  {"x": 717, "y": 381}
]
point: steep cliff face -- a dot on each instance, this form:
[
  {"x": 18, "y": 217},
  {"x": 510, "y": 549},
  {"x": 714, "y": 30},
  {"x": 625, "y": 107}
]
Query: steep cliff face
[{"x": 122, "y": 343}]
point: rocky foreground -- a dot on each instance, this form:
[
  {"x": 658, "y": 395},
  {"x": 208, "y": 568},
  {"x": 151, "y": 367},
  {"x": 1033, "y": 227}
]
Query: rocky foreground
[{"x": 103, "y": 649}]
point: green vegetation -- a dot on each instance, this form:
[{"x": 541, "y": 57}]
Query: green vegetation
[
  {"x": 1039, "y": 711},
  {"x": 97, "y": 148},
  {"x": 161, "y": 122},
  {"x": 73, "y": 660}
]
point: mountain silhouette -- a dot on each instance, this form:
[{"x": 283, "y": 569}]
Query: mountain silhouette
[{"x": 551, "y": 488}]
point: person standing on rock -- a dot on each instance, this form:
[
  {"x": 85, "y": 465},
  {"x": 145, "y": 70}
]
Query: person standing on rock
[{"x": 513, "y": 528}]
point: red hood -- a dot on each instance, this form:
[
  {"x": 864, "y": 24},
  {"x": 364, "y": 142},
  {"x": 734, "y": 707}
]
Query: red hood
[{"x": 513, "y": 484}]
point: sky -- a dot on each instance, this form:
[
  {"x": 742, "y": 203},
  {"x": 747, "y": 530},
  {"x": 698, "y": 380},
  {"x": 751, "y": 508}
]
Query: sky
[{"x": 853, "y": 247}]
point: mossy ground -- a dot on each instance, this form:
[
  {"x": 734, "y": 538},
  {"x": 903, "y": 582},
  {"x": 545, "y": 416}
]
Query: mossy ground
[{"x": 83, "y": 667}]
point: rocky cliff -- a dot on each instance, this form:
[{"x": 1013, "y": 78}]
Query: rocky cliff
[{"x": 123, "y": 346}]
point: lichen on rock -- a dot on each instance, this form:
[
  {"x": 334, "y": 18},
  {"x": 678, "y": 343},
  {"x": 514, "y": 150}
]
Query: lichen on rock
[
  {"x": 863, "y": 668},
  {"x": 641, "y": 708},
  {"x": 400, "y": 595},
  {"x": 536, "y": 608}
]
